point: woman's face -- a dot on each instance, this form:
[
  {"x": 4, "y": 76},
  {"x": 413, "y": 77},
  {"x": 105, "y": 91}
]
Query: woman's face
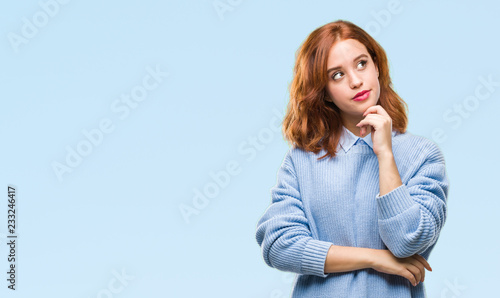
[{"x": 356, "y": 72}]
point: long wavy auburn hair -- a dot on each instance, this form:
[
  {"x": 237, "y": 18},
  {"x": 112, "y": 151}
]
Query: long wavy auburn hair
[{"x": 313, "y": 123}]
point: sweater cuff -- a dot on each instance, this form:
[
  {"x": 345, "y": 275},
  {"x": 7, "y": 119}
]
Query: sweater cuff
[
  {"x": 314, "y": 257},
  {"x": 394, "y": 202}
]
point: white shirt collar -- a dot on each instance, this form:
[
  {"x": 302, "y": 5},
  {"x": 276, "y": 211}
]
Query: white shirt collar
[{"x": 348, "y": 139}]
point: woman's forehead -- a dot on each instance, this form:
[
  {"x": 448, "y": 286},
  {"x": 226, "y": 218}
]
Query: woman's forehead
[{"x": 348, "y": 49}]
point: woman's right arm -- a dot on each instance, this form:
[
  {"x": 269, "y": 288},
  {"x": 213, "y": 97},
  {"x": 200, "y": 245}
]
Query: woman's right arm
[
  {"x": 347, "y": 258},
  {"x": 283, "y": 231}
]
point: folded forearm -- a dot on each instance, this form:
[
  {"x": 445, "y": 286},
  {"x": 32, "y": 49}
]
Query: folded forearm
[{"x": 347, "y": 258}]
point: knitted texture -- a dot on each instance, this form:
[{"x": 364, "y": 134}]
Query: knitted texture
[{"x": 317, "y": 203}]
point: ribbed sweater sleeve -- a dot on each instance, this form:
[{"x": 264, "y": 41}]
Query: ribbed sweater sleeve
[
  {"x": 411, "y": 216},
  {"x": 283, "y": 231}
]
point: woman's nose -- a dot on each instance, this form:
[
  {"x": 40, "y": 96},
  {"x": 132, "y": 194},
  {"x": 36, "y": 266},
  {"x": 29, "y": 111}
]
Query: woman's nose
[{"x": 356, "y": 81}]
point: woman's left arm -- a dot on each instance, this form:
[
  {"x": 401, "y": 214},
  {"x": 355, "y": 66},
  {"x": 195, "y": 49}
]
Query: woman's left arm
[
  {"x": 412, "y": 214},
  {"x": 389, "y": 178}
]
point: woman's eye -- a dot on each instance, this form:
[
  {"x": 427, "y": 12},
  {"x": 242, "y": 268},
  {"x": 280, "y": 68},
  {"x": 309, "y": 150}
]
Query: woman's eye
[
  {"x": 335, "y": 74},
  {"x": 362, "y": 62}
]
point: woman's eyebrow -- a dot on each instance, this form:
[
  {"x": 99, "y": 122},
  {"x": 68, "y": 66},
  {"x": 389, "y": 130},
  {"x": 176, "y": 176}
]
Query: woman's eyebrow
[{"x": 333, "y": 68}]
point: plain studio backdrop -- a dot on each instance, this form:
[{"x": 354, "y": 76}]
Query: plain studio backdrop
[{"x": 142, "y": 138}]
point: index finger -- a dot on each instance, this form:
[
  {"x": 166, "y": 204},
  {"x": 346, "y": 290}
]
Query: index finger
[
  {"x": 423, "y": 261},
  {"x": 377, "y": 109}
]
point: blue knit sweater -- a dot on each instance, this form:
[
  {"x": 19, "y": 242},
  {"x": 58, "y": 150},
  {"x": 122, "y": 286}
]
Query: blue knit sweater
[{"x": 319, "y": 203}]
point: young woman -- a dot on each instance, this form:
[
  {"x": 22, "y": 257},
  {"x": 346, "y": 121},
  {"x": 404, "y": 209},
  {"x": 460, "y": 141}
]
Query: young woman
[{"x": 362, "y": 222}]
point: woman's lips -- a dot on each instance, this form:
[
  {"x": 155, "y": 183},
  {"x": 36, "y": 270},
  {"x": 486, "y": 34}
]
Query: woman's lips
[{"x": 362, "y": 97}]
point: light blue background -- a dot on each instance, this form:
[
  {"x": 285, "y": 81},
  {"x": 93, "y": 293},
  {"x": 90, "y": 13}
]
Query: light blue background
[{"x": 228, "y": 77}]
